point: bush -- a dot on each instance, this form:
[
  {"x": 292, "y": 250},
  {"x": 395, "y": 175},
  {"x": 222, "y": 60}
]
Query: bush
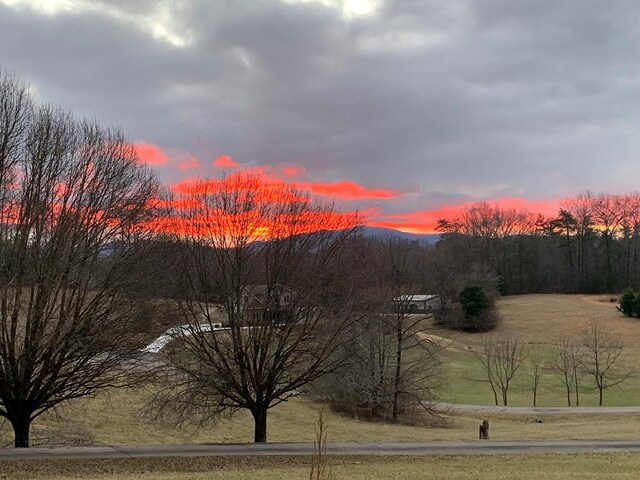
[
  {"x": 630, "y": 303},
  {"x": 482, "y": 323},
  {"x": 478, "y": 314},
  {"x": 453, "y": 318}
]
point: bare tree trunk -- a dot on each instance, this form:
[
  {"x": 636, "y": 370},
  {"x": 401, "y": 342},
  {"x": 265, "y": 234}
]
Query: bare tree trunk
[
  {"x": 396, "y": 390},
  {"x": 495, "y": 394},
  {"x": 21, "y": 425},
  {"x": 600, "y": 389},
  {"x": 607, "y": 248},
  {"x": 260, "y": 422}
]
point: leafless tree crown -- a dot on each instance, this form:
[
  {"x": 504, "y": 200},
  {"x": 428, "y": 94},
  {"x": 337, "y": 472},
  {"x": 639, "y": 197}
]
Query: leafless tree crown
[
  {"x": 281, "y": 267},
  {"x": 72, "y": 199}
]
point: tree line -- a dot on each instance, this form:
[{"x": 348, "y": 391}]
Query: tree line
[{"x": 591, "y": 246}]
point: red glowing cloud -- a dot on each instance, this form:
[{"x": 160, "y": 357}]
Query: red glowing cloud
[
  {"x": 225, "y": 161},
  {"x": 189, "y": 163},
  {"x": 282, "y": 173},
  {"x": 150, "y": 154},
  {"x": 190, "y": 186},
  {"x": 426, "y": 221},
  {"x": 347, "y": 189},
  {"x": 292, "y": 170},
  {"x": 246, "y": 205}
]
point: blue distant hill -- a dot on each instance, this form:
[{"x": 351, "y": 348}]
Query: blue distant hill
[{"x": 381, "y": 232}]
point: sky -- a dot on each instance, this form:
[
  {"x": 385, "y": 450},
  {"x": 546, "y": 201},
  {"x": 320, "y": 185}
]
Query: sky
[{"x": 407, "y": 110}]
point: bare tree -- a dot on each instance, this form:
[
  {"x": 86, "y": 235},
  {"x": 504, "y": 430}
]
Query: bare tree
[
  {"x": 566, "y": 361},
  {"x": 501, "y": 358},
  {"x": 369, "y": 383},
  {"x": 73, "y": 199},
  {"x": 603, "y": 359},
  {"x": 364, "y": 385},
  {"x": 608, "y": 213},
  {"x": 400, "y": 267},
  {"x": 283, "y": 268},
  {"x": 536, "y": 364}
]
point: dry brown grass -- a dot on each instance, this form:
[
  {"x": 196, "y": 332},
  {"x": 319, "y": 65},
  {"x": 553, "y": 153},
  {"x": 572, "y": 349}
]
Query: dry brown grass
[
  {"x": 495, "y": 467},
  {"x": 118, "y": 420},
  {"x": 540, "y": 319}
]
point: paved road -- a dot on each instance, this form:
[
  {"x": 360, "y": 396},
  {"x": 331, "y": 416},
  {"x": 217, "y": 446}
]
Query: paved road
[
  {"x": 351, "y": 448},
  {"x": 537, "y": 410}
]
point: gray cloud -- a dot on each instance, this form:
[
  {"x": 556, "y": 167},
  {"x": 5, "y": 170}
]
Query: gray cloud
[{"x": 446, "y": 100}]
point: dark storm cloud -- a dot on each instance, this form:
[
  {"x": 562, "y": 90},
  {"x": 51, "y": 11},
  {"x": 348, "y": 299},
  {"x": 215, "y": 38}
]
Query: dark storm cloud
[{"x": 445, "y": 100}]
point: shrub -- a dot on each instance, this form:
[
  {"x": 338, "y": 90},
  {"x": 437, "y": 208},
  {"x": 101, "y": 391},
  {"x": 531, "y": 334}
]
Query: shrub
[
  {"x": 477, "y": 310},
  {"x": 628, "y": 303}
]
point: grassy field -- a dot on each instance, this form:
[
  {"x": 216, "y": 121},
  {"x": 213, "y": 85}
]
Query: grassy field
[
  {"x": 494, "y": 467},
  {"x": 538, "y": 320},
  {"x": 119, "y": 418},
  {"x": 464, "y": 373}
]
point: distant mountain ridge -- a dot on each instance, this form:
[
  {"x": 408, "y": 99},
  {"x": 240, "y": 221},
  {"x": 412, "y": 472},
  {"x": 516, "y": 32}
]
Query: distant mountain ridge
[{"x": 382, "y": 232}]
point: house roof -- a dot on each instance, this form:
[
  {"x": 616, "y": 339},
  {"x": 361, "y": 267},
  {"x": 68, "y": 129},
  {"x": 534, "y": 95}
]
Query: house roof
[
  {"x": 414, "y": 298},
  {"x": 257, "y": 294}
]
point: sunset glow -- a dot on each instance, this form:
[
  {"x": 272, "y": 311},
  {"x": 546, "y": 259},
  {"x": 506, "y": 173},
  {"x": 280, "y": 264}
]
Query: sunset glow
[
  {"x": 275, "y": 179},
  {"x": 344, "y": 189},
  {"x": 189, "y": 163},
  {"x": 245, "y": 207},
  {"x": 425, "y": 221},
  {"x": 422, "y": 221},
  {"x": 225, "y": 161},
  {"x": 150, "y": 154},
  {"x": 347, "y": 189},
  {"x": 293, "y": 170}
]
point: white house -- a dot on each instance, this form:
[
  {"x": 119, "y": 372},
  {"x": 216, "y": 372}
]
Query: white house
[{"x": 417, "y": 303}]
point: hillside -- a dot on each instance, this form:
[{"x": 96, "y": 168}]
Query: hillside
[
  {"x": 381, "y": 232},
  {"x": 539, "y": 320}
]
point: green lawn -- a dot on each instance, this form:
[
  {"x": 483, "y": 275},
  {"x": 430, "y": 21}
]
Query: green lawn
[
  {"x": 538, "y": 320},
  {"x": 465, "y": 383}
]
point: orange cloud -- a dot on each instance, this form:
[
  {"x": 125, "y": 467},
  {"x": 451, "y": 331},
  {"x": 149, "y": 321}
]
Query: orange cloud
[
  {"x": 292, "y": 170},
  {"x": 259, "y": 209},
  {"x": 347, "y": 189},
  {"x": 344, "y": 189},
  {"x": 225, "y": 161},
  {"x": 150, "y": 154},
  {"x": 189, "y": 163},
  {"x": 426, "y": 221},
  {"x": 189, "y": 186}
]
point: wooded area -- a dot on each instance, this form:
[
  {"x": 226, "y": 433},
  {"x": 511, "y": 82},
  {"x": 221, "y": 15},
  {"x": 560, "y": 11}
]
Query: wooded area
[{"x": 591, "y": 246}]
